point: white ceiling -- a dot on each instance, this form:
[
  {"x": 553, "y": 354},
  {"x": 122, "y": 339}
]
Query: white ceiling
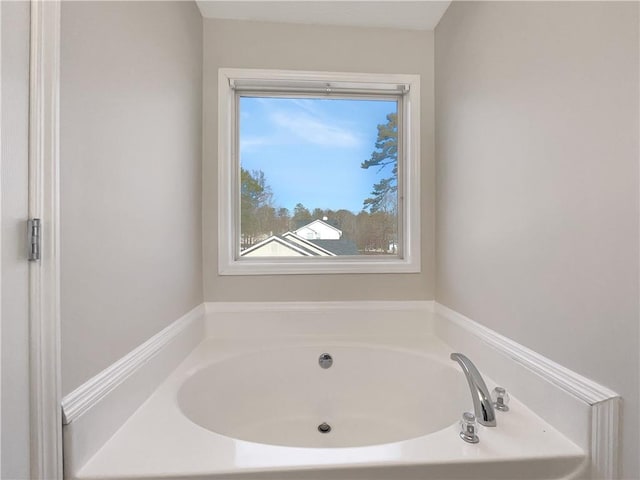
[{"x": 415, "y": 15}]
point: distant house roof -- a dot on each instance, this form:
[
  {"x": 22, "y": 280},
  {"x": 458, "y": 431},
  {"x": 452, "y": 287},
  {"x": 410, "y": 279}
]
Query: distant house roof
[
  {"x": 343, "y": 246},
  {"x": 318, "y": 226},
  {"x": 280, "y": 245},
  {"x": 262, "y": 246},
  {"x": 292, "y": 237}
]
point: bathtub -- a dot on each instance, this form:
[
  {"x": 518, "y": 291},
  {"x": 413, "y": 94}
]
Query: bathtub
[
  {"x": 237, "y": 410},
  {"x": 369, "y": 396}
]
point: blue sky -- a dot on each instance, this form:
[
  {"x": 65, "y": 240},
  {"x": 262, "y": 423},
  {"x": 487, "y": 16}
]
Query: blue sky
[{"x": 310, "y": 150}]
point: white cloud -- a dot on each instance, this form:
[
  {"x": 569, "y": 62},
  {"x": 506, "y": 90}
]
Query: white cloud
[
  {"x": 310, "y": 106},
  {"x": 312, "y": 129},
  {"x": 248, "y": 142}
]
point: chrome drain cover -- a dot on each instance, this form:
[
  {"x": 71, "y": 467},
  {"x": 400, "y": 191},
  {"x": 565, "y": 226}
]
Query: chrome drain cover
[
  {"x": 325, "y": 360},
  {"x": 324, "y": 427}
]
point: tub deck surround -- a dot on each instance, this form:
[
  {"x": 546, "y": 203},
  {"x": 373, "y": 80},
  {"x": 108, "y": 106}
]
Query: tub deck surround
[
  {"x": 160, "y": 441},
  {"x": 105, "y": 440}
]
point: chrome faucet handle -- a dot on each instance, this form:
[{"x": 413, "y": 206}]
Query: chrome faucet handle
[
  {"x": 469, "y": 428},
  {"x": 500, "y": 399}
]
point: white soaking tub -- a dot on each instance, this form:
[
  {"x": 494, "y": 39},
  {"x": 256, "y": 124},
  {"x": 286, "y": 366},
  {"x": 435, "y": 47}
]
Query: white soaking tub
[
  {"x": 369, "y": 396},
  {"x": 232, "y": 411}
]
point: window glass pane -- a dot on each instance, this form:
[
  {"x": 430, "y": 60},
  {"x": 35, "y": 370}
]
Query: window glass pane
[{"x": 319, "y": 176}]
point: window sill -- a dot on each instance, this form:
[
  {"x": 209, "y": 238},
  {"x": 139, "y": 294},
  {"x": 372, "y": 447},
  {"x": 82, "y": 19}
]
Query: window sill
[{"x": 279, "y": 266}]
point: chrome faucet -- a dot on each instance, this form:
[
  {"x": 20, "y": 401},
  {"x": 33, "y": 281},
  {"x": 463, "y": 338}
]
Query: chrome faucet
[{"x": 484, "y": 412}]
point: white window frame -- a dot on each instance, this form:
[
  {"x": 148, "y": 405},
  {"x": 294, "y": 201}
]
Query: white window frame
[{"x": 286, "y": 81}]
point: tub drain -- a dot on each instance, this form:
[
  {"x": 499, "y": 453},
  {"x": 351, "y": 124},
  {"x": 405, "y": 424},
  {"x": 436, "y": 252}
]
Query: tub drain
[{"x": 324, "y": 428}]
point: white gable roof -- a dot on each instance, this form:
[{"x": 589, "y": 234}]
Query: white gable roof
[
  {"x": 307, "y": 244},
  {"x": 319, "y": 230},
  {"x": 275, "y": 247}
]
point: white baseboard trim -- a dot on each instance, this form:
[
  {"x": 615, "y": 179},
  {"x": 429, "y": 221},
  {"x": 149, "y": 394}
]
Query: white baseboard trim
[
  {"x": 600, "y": 404},
  {"x": 94, "y": 411}
]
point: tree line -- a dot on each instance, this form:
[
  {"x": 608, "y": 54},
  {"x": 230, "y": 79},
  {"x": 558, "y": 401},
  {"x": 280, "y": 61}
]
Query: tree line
[{"x": 372, "y": 232}]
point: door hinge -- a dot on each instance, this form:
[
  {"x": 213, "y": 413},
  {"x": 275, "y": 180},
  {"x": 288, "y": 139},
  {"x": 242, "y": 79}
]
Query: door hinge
[{"x": 33, "y": 234}]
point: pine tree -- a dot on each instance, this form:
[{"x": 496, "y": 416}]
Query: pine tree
[{"x": 385, "y": 193}]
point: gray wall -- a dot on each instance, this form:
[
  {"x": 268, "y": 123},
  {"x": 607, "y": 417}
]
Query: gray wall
[
  {"x": 537, "y": 177},
  {"x": 229, "y": 43},
  {"x": 14, "y": 416},
  {"x": 131, "y": 112}
]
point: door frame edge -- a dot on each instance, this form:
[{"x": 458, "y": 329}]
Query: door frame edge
[{"x": 44, "y": 275}]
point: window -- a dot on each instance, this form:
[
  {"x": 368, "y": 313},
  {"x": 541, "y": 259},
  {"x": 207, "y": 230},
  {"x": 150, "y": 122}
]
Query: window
[{"x": 318, "y": 172}]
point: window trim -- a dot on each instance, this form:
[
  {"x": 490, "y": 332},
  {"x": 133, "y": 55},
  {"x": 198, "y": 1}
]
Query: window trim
[{"x": 228, "y": 176}]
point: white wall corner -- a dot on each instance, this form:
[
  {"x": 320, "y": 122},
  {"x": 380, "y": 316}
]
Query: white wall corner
[
  {"x": 96, "y": 409},
  {"x": 583, "y": 410}
]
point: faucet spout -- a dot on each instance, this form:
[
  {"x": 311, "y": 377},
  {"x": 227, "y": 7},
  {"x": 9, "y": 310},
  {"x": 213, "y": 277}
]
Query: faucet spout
[{"x": 482, "y": 405}]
